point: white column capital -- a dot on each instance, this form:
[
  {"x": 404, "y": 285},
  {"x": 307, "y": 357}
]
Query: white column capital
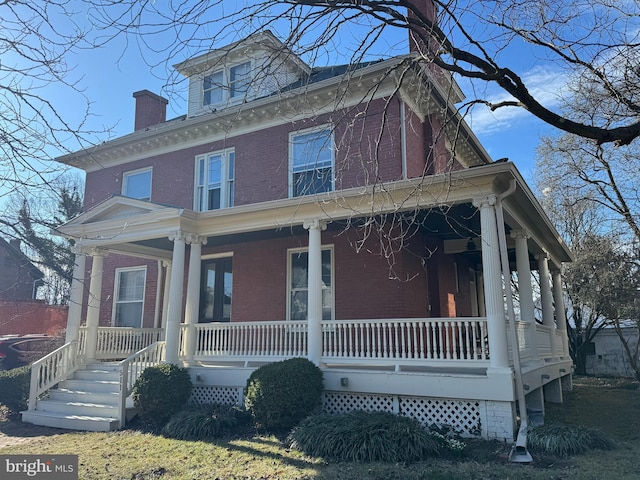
[
  {"x": 192, "y": 238},
  {"x": 166, "y": 262},
  {"x": 484, "y": 202},
  {"x": 520, "y": 234},
  {"x": 178, "y": 235},
  {"x": 315, "y": 224},
  {"x": 95, "y": 252},
  {"x": 542, "y": 256}
]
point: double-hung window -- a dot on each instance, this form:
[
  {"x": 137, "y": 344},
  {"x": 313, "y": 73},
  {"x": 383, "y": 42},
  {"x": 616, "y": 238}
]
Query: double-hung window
[
  {"x": 298, "y": 286},
  {"x": 227, "y": 84},
  {"x": 214, "y": 180},
  {"x": 129, "y": 297},
  {"x": 311, "y": 159},
  {"x": 137, "y": 184}
]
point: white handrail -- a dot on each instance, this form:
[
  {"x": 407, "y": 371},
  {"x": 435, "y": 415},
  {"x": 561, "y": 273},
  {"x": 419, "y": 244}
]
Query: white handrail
[
  {"x": 52, "y": 369},
  {"x": 119, "y": 342},
  {"x": 131, "y": 368}
]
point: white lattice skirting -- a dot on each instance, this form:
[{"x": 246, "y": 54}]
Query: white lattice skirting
[
  {"x": 220, "y": 395},
  {"x": 464, "y": 417}
]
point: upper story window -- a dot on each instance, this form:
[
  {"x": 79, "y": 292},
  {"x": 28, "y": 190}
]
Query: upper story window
[
  {"x": 137, "y": 184},
  {"x": 311, "y": 161},
  {"x": 227, "y": 84},
  {"x": 214, "y": 180}
]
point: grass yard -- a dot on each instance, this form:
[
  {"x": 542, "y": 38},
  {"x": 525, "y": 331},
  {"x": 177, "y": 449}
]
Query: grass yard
[{"x": 611, "y": 405}]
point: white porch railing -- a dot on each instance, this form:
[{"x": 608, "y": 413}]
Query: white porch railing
[
  {"x": 246, "y": 340},
  {"x": 130, "y": 370},
  {"x": 349, "y": 341},
  {"x": 120, "y": 342},
  {"x": 52, "y": 369},
  {"x": 423, "y": 340}
]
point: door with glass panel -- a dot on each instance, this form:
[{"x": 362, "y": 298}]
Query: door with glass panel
[{"x": 216, "y": 290}]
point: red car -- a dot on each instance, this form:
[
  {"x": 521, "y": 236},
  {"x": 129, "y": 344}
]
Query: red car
[{"x": 19, "y": 350}]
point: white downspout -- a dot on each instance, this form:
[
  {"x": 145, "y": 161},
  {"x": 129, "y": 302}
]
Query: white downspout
[
  {"x": 156, "y": 315},
  {"x": 519, "y": 453}
]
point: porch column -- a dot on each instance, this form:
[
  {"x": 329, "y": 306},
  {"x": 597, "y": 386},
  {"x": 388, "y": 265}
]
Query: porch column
[
  {"x": 314, "y": 285},
  {"x": 546, "y": 297},
  {"x": 492, "y": 279},
  {"x": 165, "y": 296},
  {"x": 76, "y": 295},
  {"x": 558, "y": 300},
  {"x": 174, "y": 314},
  {"x": 525, "y": 287},
  {"x": 93, "y": 304},
  {"x": 193, "y": 294}
]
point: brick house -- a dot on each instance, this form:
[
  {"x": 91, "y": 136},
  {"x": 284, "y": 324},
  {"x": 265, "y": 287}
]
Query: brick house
[
  {"x": 344, "y": 214},
  {"x": 19, "y": 278}
]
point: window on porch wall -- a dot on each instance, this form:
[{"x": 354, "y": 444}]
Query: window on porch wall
[
  {"x": 298, "y": 273},
  {"x": 129, "y": 297}
]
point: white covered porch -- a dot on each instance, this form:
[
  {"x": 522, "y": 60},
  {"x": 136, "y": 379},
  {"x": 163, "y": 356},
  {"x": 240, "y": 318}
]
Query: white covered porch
[{"x": 414, "y": 366}]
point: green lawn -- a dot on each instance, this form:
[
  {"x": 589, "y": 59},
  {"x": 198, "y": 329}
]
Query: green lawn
[{"x": 612, "y": 406}]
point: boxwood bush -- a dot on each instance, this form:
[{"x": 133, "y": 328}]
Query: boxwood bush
[
  {"x": 160, "y": 391},
  {"x": 281, "y": 394},
  {"x": 14, "y": 388}
]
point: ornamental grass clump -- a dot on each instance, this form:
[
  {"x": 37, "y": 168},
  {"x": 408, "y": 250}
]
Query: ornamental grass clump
[
  {"x": 281, "y": 394},
  {"x": 367, "y": 437},
  {"x": 203, "y": 422},
  {"x": 565, "y": 440}
]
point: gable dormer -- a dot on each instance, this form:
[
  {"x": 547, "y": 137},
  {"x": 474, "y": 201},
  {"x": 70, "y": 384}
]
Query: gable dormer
[{"x": 255, "y": 67}]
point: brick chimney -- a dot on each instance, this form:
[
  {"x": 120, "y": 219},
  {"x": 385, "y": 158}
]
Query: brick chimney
[
  {"x": 151, "y": 109},
  {"x": 428, "y": 11}
]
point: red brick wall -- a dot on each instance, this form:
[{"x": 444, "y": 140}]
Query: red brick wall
[
  {"x": 262, "y": 159},
  {"x": 111, "y": 262},
  {"x": 367, "y": 284},
  {"x": 32, "y": 317}
]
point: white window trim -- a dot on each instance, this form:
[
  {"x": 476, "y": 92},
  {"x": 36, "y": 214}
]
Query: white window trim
[
  {"x": 226, "y": 201},
  {"x": 116, "y": 287},
  {"x": 319, "y": 128},
  {"x": 227, "y": 99},
  {"x": 126, "y": 175},
  {"x": 292, "y": 251}
]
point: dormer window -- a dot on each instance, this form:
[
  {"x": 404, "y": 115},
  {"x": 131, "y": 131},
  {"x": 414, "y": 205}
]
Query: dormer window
[{"x": 227, "y": 84}]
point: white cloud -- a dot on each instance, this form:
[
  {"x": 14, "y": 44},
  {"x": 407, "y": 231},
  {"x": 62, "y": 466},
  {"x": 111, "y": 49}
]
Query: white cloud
[{"x": 545, "y": 85}]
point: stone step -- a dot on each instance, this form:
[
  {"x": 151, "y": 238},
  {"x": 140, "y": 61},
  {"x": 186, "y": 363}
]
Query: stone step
[
  {"x": 79, "y": 408},
  {"x": 70, "y": 422},
  {"x": 69, "y": 395},
  {"x": 97, "y": 375},
  {"x": 92, "y": 386}
]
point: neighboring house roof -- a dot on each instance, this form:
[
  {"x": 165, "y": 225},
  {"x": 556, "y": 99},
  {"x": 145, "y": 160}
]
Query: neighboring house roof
[{"x": 20, "y": 258}]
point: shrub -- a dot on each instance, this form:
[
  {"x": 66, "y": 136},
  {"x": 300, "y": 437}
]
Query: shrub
[
  {"x": 160, "y": 391},
  {"x": 203, "y": 422},
  {"x": 14, "y": 388},
  {"x": 565, "y": 440},
  {"x": 281, "y": 394},
  {"x": 366, "y": 437}
]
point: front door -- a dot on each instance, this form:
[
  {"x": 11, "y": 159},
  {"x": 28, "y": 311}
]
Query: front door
[{"x": 215, "y": 290}]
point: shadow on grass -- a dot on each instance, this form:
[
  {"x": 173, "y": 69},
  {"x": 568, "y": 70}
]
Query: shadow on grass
[{"x": 11, "y": 426}]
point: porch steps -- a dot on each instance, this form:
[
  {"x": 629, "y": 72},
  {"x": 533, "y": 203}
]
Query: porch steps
[{"x": 88, "y": 400}]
